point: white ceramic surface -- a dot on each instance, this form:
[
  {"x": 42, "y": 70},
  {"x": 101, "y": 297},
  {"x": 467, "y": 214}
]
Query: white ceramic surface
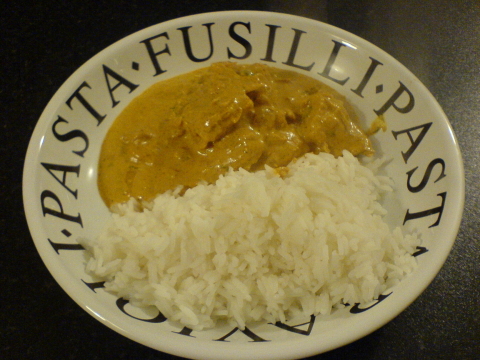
[{"x": 62, "y": 202}]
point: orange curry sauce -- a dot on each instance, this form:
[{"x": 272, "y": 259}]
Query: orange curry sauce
[{"x": 195, "y": 126}]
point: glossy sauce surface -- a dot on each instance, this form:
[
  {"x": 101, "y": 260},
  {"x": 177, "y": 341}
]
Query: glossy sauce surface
[{"x": 193, "y": 127}]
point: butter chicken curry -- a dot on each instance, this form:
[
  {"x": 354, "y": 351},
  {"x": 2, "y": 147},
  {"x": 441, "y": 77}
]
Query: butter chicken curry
[{"x": 195, "y": 126}]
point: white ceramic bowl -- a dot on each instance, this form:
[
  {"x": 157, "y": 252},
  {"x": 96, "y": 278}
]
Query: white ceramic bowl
[{"x": 62, "y": 202}]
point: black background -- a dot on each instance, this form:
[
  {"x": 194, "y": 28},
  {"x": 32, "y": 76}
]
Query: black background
[{"x": 44, "y": 42}]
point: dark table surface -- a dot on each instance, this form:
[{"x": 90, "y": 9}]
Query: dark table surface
[{"x": 44, "y": 42}]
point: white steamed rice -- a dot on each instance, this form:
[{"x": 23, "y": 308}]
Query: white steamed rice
[{"x": 257, "y": 246}]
